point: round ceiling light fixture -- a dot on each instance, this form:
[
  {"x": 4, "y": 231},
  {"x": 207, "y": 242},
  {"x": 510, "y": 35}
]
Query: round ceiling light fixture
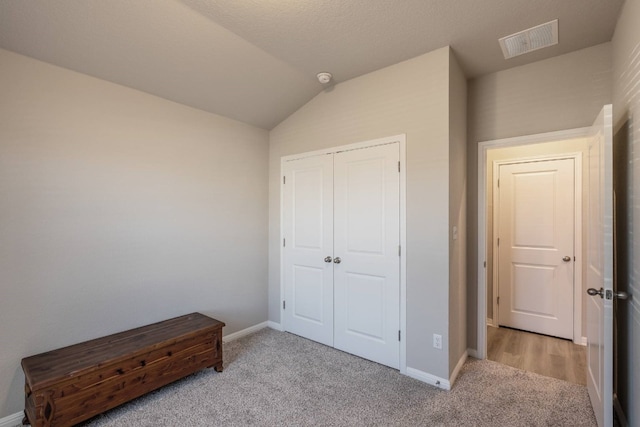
[{"x": 324, "y": 77}]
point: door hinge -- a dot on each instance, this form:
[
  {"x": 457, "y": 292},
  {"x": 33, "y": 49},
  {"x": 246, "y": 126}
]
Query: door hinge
[
  {"x": 399, "y": 335},
  {"x": 284, "y": 242},
  {"x": 498, "y": 300},
  {"x": 498, "y": 183},
  {"x": 284, "y": 179},
  {"x": 399, "y": 250},
  {"x": 398, "y": 166},
  {"x": 485, "y": 264},
  {"x": 284, "y": 304},
  {"x": 498, "y": 241}
]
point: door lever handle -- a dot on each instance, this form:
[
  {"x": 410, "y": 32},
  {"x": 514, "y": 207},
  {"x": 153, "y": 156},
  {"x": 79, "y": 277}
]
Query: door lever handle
[
  {"x": 618, "y": 295},
  {"x": 621, "y": 295}
]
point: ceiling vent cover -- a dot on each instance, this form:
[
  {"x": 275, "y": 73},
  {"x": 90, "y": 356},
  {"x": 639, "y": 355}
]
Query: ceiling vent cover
[{"x": 526, "y": 41}]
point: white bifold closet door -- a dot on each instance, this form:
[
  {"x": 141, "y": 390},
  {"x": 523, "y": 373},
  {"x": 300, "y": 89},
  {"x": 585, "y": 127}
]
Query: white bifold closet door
[{"x": 341, "y": 263}]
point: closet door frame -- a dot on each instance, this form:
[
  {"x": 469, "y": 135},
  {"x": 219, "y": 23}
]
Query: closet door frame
[{"x": 401, "y": 141}]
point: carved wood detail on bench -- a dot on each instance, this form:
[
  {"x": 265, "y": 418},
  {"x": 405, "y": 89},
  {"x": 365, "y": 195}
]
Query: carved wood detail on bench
[{"x": 66, "y": 386}]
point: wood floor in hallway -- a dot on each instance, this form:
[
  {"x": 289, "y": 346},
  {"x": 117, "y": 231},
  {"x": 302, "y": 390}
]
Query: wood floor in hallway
[{"x": 544, "y": 355}]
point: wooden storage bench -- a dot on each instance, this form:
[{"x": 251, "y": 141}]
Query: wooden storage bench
[{"x": 66, "y": 386}]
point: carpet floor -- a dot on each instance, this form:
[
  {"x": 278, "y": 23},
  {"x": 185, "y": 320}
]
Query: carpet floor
[{"x": 278, "y": 379}]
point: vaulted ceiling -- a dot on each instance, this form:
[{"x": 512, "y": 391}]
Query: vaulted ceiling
[{"x": 256, "y": 60}]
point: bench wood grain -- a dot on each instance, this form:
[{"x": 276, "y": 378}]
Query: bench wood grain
[{"x": 66, "y": 386}]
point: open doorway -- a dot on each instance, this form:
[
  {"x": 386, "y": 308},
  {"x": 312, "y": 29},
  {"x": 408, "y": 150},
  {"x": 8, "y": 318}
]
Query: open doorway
[
  {"x": 529, "y": 339},
  {"x": 549, "y": 356}
]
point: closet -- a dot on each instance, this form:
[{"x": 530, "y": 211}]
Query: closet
[{"x": 341, "y": 250}]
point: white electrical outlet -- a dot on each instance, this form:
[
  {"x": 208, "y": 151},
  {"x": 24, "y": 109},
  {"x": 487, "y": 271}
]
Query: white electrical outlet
[{"x": 437, "y": 341}]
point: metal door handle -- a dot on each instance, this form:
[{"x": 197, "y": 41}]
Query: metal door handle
[
  {"x": 566, "y": 258},
  {"x": 610, "y": 294},
  {"x": 337, "y": 260},
  {"x": 327, "y": 259},
  {"x": 593, "y": 292},
  {"x": 621, "y": 295}
]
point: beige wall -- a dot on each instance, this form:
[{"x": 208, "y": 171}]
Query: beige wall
[
  {"x": 555, "y": 94},
  {"x": 626, "y": 112},
  {"x": 564, "y": 92},
  {"x": 457, "y": 213},
  {"x": 412, "y": 98},
  {"x": 118, "y": 209}
]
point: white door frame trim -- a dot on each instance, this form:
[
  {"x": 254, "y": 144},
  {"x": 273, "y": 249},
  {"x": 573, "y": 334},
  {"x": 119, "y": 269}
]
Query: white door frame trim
[
  {"x": 577, "y": 233},
  {"x": 483, "y": 147},
  {"x": 402, "y": 141}
]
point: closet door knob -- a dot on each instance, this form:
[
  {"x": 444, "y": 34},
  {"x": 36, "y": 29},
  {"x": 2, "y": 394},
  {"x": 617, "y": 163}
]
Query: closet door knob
[
  {"x": 593, "y": 292},
  {"x": 337, "y": 260},
  {"x": 327, "y": 259}
]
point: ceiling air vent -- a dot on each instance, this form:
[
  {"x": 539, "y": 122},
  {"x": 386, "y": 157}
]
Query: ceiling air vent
[{"x": 529, "y": 40}]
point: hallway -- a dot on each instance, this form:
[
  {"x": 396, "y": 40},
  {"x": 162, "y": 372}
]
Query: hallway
[{"x": 544, "y": 355}]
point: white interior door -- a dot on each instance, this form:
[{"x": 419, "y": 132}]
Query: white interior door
[
  {"x": 600, "y": 269},
  {"x": 366, "y": 242},
  {"x": 536, "y": 246},
  {"x": 308, "y": 227}
]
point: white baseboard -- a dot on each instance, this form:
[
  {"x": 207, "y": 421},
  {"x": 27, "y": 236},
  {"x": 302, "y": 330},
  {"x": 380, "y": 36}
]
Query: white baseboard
[
  {"x": 251, "y": 329},
  {"x": 582, "y": 341},
  {"x": 437, "y": 381},
  {"x": 456, "y": 370},
  {"x": 14, "y": 420},
  {"x": 471, "y": 352},
  {"x": 428, "y": 378},
  {"x": 490, "y": 322},
  {"x": 274, "y": 325},
  {"x": 242, "y": 333}
]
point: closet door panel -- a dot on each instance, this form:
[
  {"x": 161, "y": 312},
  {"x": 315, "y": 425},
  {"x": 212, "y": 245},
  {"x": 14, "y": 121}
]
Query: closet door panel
[
  {"x": 366, "y": 241},
  {"x": 308, "y": 227}
]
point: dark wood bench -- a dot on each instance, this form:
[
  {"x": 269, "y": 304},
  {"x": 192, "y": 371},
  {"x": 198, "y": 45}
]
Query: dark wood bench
[{"x": 66, "y": 386}]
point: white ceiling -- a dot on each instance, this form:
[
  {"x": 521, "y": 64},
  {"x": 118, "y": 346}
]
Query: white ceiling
[{"x": 256, "y": 60}]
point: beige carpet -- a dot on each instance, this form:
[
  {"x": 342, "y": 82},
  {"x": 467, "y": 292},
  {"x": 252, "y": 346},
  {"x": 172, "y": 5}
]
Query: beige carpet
[{"x": 278, "y": 379}]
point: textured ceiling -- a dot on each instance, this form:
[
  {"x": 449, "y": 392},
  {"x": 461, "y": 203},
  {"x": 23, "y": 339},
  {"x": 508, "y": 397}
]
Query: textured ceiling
[{"x": 256, "y": 60}]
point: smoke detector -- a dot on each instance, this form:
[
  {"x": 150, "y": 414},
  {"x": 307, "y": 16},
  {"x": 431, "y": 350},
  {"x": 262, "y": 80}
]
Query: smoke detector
[
  {"x": 324, "y": 77},
  {"x": 526, "y": 41}
]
